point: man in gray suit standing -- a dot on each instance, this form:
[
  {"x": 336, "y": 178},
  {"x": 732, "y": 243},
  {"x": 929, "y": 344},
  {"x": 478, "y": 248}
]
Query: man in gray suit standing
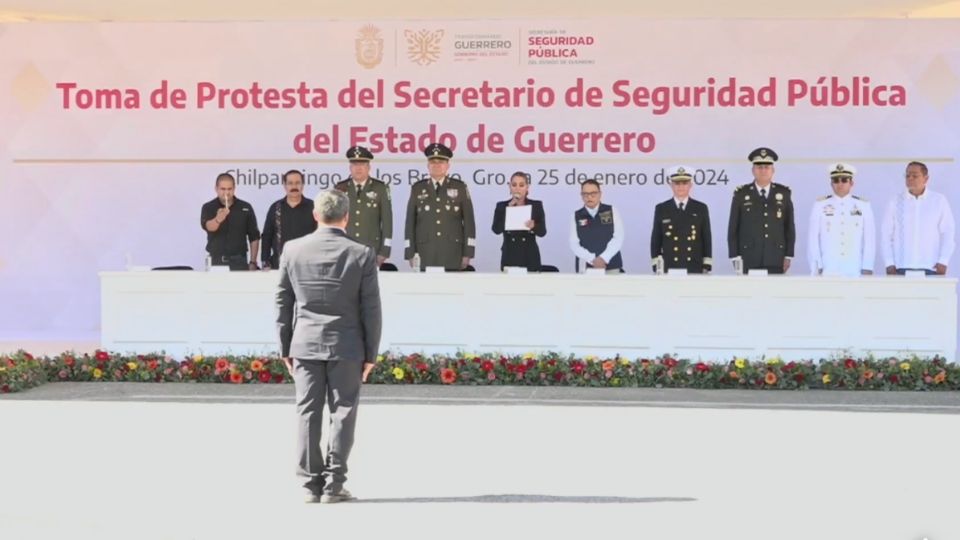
[{"x": 329, "y": 322}]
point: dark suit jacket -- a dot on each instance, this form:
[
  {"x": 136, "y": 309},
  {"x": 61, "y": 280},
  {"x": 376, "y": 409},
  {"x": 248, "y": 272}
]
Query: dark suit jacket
[
  {"x": 520, "y": 247},
  {"x": 331, "y": 280}
]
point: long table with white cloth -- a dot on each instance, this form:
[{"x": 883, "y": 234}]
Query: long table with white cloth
[{"x": 697, "y": 317}]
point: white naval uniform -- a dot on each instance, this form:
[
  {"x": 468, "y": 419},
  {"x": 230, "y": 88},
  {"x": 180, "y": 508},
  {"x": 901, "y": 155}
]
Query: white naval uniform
[{"x": 841, "y": 239}]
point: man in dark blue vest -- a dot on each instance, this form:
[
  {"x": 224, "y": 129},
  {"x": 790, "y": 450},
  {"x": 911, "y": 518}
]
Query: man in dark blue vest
[{"x": 597, "y": 233}]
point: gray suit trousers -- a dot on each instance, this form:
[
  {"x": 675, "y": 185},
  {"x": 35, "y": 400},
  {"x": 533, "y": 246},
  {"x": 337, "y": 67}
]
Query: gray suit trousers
[{"x": 337, "y": 383}]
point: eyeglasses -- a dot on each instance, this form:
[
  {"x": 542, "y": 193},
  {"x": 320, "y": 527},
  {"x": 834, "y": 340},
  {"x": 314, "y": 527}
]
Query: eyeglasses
[
  {"x": 841, "y": 179},
  {"x": 589, "y": 193}
]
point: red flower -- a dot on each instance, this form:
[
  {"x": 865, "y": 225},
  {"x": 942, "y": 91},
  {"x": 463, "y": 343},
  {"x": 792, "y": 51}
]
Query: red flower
[
  {"x": 788, "y": 367},
  {"x": 487, "y": 366},
  {"x": 895, "y": 379},
  {"x": 421, "y": 366},
  {"x": 531, "y": 364},
  {"x": 558, "y": 376},
  {"x": 28, "y": 356},
  {"x": 576, "y": 366},
  {"x": 849, "y": 363},
  {"x": 448, "y": 376},
  {"x": 236, "y": 378},
  {"x": 551, "y": 362},
  {"x": 264, "y": 376},
  {"x": 102, "y": 356},
  {"x": 503, "y": 361},
  {"x": 69, "y": 361},
  {"x": 152, "y": 365},
  {"x": 278, "y": 378},
  {"x": 670, "y": 362},
  {"x": 702, "y": 367},
  {"x": 5, "y": 389},
  {"x": 221, "y": 364},
  {"x": 798, "y": 377}
]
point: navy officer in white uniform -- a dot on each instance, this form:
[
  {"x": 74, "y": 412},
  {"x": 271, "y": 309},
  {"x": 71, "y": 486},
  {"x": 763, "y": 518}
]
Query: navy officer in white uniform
[{"x": 841, "y": 240}]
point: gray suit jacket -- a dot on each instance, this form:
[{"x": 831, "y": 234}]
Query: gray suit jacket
[{"x": 332, "y": 282}]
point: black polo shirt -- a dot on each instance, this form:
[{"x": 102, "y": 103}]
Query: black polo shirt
[
  {"x": 235, "y": 231},
  {"x": 294, "y": 222}
]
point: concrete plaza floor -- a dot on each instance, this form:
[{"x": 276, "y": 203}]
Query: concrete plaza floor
[{"x": 183, "y": 461}]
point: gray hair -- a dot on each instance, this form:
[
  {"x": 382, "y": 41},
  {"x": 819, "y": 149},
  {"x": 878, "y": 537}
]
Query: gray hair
[{"x": 331, "y": 206}]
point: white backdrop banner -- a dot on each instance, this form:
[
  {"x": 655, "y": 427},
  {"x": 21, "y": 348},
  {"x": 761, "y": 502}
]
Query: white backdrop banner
[{"x": 112, "y": 134}]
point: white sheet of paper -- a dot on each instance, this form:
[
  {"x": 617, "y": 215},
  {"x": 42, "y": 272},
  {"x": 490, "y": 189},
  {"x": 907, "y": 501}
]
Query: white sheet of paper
[
  {"x": 677, "y": 271},
  {"x": 517, "y": 217},
  {"x": 516, "y": 270},
  {"x": 595, "y": 271},
  {"x": 435, "y": 270},
  {"x": 758, "y": 272},
  {"x": 915, "y": 274}
]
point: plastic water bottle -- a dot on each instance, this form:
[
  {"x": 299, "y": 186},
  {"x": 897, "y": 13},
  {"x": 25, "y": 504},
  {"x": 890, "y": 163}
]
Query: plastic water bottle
[
  {"x": 207, "y": 263},
  {"x": 416, "y": 262}
]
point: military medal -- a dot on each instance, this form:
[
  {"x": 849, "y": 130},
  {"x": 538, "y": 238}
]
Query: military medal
[{"x": 779, "y": 214}]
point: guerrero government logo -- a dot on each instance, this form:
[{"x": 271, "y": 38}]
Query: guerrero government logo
[
  {"x": 369, "y": 47},
  {"x": 423, "y": 46}
]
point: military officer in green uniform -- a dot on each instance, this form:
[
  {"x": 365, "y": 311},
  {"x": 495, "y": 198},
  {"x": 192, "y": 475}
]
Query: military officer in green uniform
[
  {"x": 681, "y": 229},
  {"x": 440, "y": 225},
  {"x": 371, "y": 220},
  {"x": 761, "y": 232}
]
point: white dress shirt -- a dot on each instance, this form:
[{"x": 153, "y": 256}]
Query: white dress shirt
[
  {"x": 917, "y": 232},
  {"x": 613, "y": 247},
  {"x": 841, "y": 239}
]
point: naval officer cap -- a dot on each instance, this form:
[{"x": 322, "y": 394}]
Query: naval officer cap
[
  {"x": 680, "y": 174},
  {"x": 437, "y": 151},
  {"x": 842, "y": 170},
  {"x": 763, "y": 156},
  {"x": 359, "y": 153}
]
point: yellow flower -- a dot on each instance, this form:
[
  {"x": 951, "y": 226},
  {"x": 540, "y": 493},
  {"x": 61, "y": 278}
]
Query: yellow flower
[
  {"x": 905, "y": 366},
  {"x": 624, "y": 362},
  {"x": 773, "y": 361},
  {"x": 740, "y": 363},
  {"x": 132, "y": 366},
  {"x": 469, "y": 356},
  {"x": 198, "y": 358},
  {"x": 2, "y": 369},
  {"x": 826, "y": 378},
  {"x": 398, "y": 373},
  {"x": 529, "y": 356},
  {"x": 590, "y": 359},
  {"x": 97, "y": 373},
  {"x": 379, "y": 358}
]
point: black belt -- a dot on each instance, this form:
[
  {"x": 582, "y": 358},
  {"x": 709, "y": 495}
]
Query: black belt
[{"x": 228, "y": 258}]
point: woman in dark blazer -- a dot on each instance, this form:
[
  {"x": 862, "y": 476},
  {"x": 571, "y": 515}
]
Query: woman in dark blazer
[{"x": 520, "y": 247}]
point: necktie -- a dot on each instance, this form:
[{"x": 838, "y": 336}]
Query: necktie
[
  {"x": 763, "y": 193},
  {"x": 681, "y": 207}
]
